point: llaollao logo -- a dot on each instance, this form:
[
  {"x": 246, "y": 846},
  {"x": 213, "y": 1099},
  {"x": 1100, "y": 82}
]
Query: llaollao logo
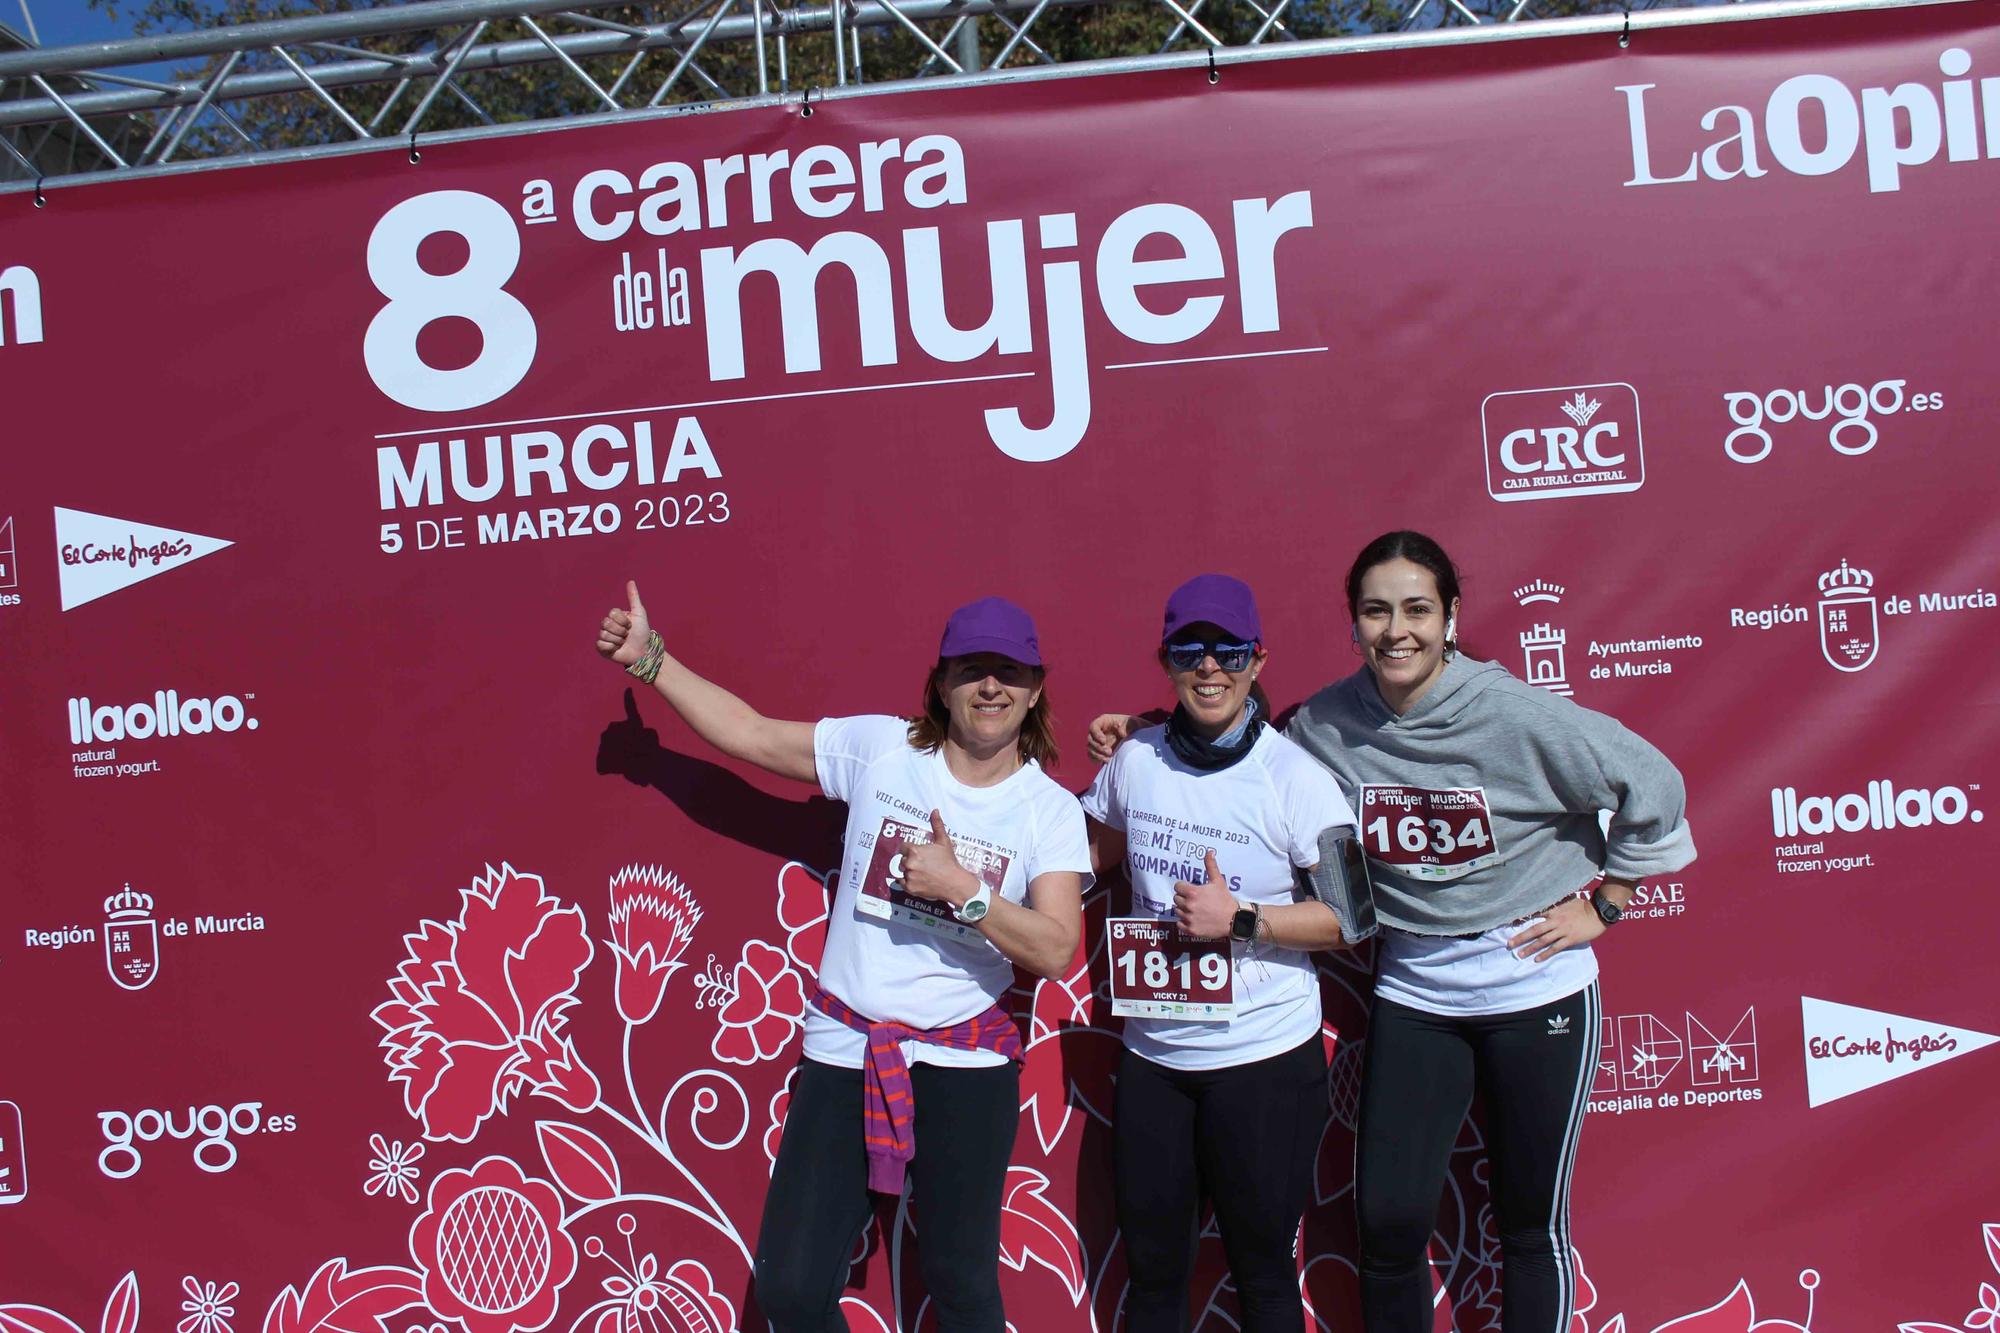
[
  {"x": 167, "y": 713},
  {"x": 1880, "y": 805}
]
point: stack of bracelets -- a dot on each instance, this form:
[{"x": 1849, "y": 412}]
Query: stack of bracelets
[{"x": 648, "y": 665}]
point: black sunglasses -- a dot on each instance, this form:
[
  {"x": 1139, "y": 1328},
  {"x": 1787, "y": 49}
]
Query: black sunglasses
[{"x": 1228, "y": 656}]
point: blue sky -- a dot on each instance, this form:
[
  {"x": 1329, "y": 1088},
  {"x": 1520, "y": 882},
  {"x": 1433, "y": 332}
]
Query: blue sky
[
  {"x": 67, "y": 22},
  {"x": 64, "y": 22}
]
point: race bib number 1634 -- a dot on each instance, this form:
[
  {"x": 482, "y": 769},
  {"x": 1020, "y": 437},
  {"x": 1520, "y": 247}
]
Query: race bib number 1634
[{"x": 1434, "y": 833}]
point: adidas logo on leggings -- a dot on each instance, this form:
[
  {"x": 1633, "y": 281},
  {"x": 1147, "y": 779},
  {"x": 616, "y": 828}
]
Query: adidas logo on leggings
[{"x": 1559, "y": 1025}]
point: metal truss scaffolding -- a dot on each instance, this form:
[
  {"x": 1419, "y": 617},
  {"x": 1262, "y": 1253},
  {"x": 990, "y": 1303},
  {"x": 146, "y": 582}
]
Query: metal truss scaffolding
[{"x": 316, "y": 84}]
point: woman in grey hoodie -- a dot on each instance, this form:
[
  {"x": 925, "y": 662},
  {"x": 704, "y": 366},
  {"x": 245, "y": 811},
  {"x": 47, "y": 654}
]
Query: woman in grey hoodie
[{"x": 1478, "y": 798}]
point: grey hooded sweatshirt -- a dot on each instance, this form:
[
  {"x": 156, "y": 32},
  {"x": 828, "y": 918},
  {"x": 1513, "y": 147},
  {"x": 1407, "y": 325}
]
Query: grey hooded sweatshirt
[{"x": 1480, "y": 805}]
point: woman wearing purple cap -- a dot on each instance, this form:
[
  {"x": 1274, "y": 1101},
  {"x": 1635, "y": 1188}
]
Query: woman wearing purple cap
[
  {"x": 1480, "y": 798},
  {"x": 962, "y": 860},
  {"x": 1222, "y": 1088}
]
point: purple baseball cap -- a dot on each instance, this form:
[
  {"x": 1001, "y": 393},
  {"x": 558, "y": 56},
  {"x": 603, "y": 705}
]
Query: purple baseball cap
[
  {"x": 1220, "y": 600},
  {"x": 991, "y": 625}
]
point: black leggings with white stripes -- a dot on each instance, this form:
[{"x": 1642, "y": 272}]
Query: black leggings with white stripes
[{"x": 1533, "y": 1070}]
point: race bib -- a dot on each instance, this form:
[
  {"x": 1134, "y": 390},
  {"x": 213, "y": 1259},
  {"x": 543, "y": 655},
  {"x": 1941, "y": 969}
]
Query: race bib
[
  {"x": 1157, "y": 972},
  {"x": 882, "y": 893},
  {"x": 1434, "y": 833}
]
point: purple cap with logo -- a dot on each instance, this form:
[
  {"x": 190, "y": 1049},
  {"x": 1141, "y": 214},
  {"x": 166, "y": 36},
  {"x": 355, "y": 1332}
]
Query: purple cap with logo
[
  {"x": 991, "y": 625},
  {"x": 1224, "y": 602}
]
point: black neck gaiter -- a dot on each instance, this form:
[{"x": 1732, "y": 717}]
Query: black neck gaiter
[{"x": 1200, "y": 752}]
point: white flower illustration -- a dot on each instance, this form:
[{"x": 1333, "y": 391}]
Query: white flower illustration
[
  {"x": 395, "y": 1172},
  {"x": 208, "y": 1308}
]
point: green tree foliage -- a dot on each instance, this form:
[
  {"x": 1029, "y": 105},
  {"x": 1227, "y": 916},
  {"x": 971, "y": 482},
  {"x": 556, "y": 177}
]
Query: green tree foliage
[{"x": 728, "y": 68}]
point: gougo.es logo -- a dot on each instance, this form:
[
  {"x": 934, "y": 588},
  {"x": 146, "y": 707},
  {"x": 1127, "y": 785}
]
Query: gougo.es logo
[
  {"x": 211, "y": 1126},
  {"x": 1852, "y": 408}
]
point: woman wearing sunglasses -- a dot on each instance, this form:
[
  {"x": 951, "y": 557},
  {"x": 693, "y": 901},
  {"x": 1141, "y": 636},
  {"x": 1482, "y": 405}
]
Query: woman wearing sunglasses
[
  {"x": 962, "y": 859},
  {"x": 1479, "y": 800},
  {"x": 1222, "y": 1087}
]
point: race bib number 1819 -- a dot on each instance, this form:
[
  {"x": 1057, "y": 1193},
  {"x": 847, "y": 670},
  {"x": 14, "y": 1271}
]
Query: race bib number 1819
[
  {"x": 1432, "y": 833},
  {"x": 1157, "y": 972}
]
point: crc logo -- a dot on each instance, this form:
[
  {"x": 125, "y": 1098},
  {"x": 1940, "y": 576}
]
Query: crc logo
[
  {"x": 210, "y": 1125},
  {"x": 1579, "y": 440}
]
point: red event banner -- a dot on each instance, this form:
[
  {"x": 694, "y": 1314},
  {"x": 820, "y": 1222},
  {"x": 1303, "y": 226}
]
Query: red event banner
[{"x": 373, "y": 962}]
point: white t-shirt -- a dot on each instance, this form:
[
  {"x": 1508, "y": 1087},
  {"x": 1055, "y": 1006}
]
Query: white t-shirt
[
  {"x": 1444, "y": 975},
  {"x": 896, "y": 972},
  {"x": 1261, "y": 816}
]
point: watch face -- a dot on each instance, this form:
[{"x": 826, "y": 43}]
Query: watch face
[
  {"x": 973, "y": 910},
  {"x": 1607, "y": 911},
  {"x": 1243, "y": 925}
]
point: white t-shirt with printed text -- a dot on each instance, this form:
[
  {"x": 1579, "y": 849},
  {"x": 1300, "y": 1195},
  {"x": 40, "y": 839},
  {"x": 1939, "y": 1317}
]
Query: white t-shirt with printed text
[
  {"x": 1262, "y": 816},
  {"x": 897, "y": 972}
]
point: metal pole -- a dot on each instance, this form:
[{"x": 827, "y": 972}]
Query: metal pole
[
  {"x": 444, "y": 77},
  {"x": 173, "y": 144},
  {"x": 757, "y": 19},
  {"x": 839, "y": 45},
  {"x": 81, "y": 124},
  {"x": 968, "y": 43}
]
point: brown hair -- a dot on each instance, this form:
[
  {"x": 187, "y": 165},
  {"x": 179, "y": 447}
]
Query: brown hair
[
  {"x": 1037, "y": 741},
  {"x": 1404, "y": 545}
]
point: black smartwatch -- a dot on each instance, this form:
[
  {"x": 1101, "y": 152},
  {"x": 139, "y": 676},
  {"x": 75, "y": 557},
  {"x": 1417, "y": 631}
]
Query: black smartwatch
[
  {"x": 1607, "y": 911},
  {"x": 1243, "y": 926}
]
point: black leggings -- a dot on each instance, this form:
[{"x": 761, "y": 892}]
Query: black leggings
[
  {"x": 1534, "y": 1069},
  {"x": 819, "y": 1200},
  {"x": 1246, "y": 1136}
]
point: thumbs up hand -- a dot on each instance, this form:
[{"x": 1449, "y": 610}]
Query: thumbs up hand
[
  {"x": 932, "y": 870},
  {"x": 622, "y": 635},
  {"x": 1205, "y": 910}
]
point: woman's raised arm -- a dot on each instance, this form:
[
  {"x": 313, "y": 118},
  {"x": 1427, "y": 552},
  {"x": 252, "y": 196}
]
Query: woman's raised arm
[{"x": 717, "y": 716}]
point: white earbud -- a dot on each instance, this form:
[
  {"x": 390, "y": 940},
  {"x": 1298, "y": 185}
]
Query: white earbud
[{"x": 1451, "y": 627}]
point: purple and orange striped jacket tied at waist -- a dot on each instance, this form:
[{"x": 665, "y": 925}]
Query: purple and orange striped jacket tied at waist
[{"x": 888, "y": 1099}]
